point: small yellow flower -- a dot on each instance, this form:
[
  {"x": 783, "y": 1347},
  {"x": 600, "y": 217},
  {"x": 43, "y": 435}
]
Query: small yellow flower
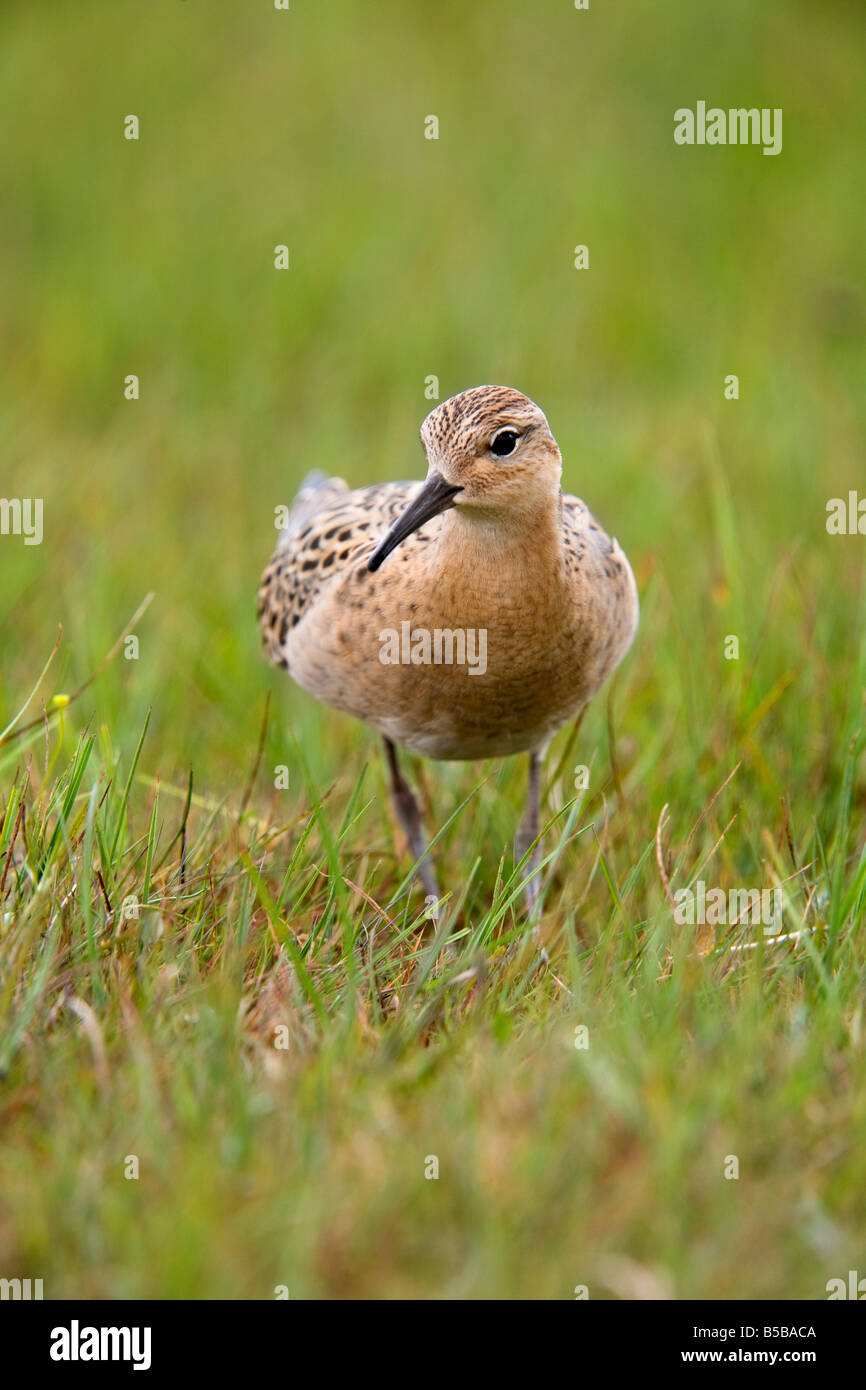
[{"x": 59, "y": 702}]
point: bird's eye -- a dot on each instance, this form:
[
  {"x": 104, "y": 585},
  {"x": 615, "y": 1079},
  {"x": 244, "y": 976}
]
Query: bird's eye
[{"x": 503, "y": 443}]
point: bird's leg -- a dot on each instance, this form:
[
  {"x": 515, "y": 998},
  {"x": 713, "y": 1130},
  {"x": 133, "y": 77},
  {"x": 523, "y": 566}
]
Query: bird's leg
[
  {"x": 409, "y": 816},
  {"x": 527, "y": 836}
]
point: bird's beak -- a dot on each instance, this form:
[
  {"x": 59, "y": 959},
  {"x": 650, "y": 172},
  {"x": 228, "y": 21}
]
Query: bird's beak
[{"x": 434, "y": 496}]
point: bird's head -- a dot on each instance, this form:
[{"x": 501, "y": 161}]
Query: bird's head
[{"x": 491, "y": 455}]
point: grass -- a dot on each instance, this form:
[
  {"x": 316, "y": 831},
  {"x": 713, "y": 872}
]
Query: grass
[{"x": 170, "y": 916}]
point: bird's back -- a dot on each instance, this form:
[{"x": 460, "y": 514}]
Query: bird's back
[{"x": 327, "y": 523}]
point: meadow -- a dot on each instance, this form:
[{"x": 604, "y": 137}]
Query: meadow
[{"x": 234, "y": 1058}]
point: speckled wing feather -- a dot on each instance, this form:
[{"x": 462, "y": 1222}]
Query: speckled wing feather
[
  {"x": 580, "y": 526},
  {"x": 327, "y": 523}
]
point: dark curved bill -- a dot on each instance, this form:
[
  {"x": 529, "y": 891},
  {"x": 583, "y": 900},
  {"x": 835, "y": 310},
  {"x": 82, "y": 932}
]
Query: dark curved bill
[{"x": 434, "y": 496}]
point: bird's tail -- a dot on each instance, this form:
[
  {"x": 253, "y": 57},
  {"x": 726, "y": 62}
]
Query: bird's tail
[{"x": 316, "y": 489}]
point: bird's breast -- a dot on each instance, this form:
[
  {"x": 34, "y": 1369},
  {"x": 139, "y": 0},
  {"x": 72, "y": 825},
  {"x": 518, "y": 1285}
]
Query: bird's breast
[{"x": 476, "y": 665}]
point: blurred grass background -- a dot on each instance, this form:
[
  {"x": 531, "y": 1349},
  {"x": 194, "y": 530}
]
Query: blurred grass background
[{"x": 409, "y": 258}]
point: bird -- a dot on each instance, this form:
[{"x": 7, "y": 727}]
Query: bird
[{"x": 468, "y": 616}]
